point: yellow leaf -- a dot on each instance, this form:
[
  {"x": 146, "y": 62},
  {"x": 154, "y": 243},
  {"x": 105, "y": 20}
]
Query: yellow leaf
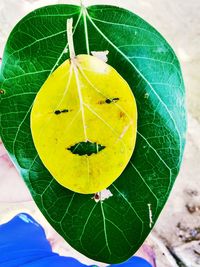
[{"x": 84, "y": 104}]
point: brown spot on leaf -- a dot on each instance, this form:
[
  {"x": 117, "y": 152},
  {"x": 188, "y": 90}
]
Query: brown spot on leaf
[
  {"x": 97, "y": 196},
  {"x": 121, "y": 114},
  {"x": 101, "y": 102}
]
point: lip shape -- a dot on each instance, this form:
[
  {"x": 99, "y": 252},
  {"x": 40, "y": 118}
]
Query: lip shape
[{"x": 86, "y": 148}]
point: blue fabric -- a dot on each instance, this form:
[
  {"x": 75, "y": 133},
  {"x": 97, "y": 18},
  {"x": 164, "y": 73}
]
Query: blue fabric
[{"x": 23, "y": 244}]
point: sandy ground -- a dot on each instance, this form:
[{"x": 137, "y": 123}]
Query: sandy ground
[{"x": 176, "y": 236}]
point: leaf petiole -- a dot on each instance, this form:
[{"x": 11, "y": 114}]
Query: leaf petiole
[{"x": 70, "y": 39}]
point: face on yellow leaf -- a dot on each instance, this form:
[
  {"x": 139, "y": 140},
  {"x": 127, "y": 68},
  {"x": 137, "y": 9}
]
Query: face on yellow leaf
[{"x": 83, "y": 123}]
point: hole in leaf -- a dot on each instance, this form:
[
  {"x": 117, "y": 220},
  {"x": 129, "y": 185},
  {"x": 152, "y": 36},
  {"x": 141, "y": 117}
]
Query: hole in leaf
[
  {"x": 86, "y": 148},
  {"x": 2, "y": 92},
  {"x": 108, "y": 101}
]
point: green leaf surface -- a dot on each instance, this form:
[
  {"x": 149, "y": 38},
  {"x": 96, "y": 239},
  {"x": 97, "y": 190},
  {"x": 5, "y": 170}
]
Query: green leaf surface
[{"x": 110, "y": 230}]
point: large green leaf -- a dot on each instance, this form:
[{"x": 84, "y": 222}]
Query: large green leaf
[{"x": 113, "y": 229}]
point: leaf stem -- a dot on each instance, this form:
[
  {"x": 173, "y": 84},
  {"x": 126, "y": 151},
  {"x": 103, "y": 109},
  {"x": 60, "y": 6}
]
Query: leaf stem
[
  {"x": 84, "y": 12},
  {"x": 81, "y": 3},
  {"x": 70, "y": 39},
  {"x": 86, "y": 29}
]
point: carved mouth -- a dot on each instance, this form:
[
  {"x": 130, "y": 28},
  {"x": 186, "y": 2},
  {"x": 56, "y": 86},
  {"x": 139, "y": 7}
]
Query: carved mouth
[{"x": 86, "y": 148}]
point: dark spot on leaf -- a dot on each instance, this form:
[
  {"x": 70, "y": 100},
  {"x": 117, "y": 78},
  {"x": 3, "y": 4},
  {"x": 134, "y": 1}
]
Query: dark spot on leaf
[
  {"x": 86, "y": 148},
  {"x": 121, "y": 114},
  {"x": 108, "y": 100},
  {"x": 57, "y": 112},
  {"x": 97, "y": 196},
  {"x": 101, "y": 102},
  {"x": 2, "y": 92}
]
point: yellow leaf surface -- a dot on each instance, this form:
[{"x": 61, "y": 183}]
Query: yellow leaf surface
[{"x": 84, "y": 102}]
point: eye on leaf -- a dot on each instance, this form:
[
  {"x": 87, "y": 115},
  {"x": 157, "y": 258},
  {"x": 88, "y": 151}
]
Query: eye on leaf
[
  {"x": 112, "y": 100},
  {"x": 57, "y": 112}
]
